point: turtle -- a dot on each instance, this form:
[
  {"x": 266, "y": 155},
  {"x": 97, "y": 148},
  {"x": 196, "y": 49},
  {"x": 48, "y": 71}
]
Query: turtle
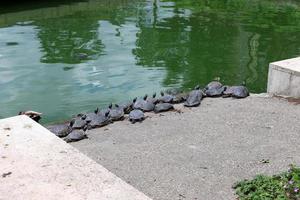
[
  {"x": 147, "y": 106},
  {"x": 214, "y": 89},
  {"x": 138, "y": 103},
  {"x": 180, "y": 97},
  {"x": 60, "y": 130},
  {"x": 117, "y": 113},
  {"x": 163, "y": 107},
  {"x": 194, "y": 98},
  {"x": 236, "y": 92},
  {"x": 76, "y": 135},
  {"x": 90, "y": 116},
  {"x": 166, "y": 98},
  {"x": 136, "y": 115},
  {"x": 36, "y": 116},
  {"x": 127, "y": 106},
  {"x": 79, "y": 122},
  {"x": 100, "y": 120},
  {"x": 153, "y": 99}
]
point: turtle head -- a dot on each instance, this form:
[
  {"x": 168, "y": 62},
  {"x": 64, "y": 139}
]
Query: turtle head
[
  {"x": 162, "y": 93},
  {"x": 134, "y": 100},
  {"x": 21, "y": 113},
  {"x": 117, "y": 106},
  {"x": 71, "y": 122},
  {"x": 96, "y": 111},
  {"x": 110, "y": 106},
  {"x": 85, "y": 128},
  {"x": 83, "y": 117},
  {"x": 107, "y": 113},
  {"x": 197, "y": 87},
  {"x": 154, "y": 95},
  {"x": 145, "y": 97}
]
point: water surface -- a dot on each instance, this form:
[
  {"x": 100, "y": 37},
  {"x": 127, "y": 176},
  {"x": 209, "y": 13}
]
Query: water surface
[{"x": 65, "y": 58}]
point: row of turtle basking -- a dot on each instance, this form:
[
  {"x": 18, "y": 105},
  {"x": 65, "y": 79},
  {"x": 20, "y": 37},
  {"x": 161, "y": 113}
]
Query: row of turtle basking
[{"x": 134, "y": 110}]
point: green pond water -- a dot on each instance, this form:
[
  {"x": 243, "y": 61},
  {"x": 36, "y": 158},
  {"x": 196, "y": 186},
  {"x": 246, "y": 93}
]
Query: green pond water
[{"x": 69, "y": 57}]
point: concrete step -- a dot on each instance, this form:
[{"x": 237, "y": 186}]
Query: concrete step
[{"x": 35, "y": 164}]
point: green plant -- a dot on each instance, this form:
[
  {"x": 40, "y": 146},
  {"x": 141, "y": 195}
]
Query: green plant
[{"x": 284, "y": 186}]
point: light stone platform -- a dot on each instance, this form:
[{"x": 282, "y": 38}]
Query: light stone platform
[
  {"x": 35, "y": 164},
  {"x": 284, "y": 78}
]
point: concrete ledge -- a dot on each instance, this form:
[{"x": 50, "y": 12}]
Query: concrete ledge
[
  {"x": 35, "y": 164},
  {"x": 284, "y": 78}
]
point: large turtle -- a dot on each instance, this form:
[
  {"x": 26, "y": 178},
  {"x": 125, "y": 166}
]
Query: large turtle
[
  {"x": 116, "y": 113},
  {"x": 163, "y": 107},
  {"x": 138, "y": 103},
  {"x": 76, "y": 135},
  {"x": 79, "y": 122},
  {"x": 100, "y": 120},
  {"x": 166, "y": 98},
  {"x": 214, "y": 89},
  {"x": 194, "y": 98},
  {"x": 136, "y": 115},
  {"x": 60, "y": 130},
  {"x": 236, "y": 92}
]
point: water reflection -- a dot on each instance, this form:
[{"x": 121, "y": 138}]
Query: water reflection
[{"x": 74, "y": 57}]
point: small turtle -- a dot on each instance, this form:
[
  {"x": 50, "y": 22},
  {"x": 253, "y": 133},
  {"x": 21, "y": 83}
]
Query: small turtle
[
  {"x": 136, "y": 116},
  {"x": 166, "y": 98},
  {"x": 76, "y": 135},
  {"x": 163, "y": 107},
  {"x": 180, "y": 97},
  {"x": 91, "y": 116},
  {"x": 236, "y": 92},
  {"x": 79, "y": 122},
  {"x": 127, "y": 106},
  {"x": 36, "y": 116},
  {"x": 194, "y": 98},
  {"x": 148, "y": 105},
  {"x": 117, "y": 113},
  {"x": 153, "y": 99},
  {"x": 60, "y": 130},
  {"x": 214, "y": 89},
  {"x": 138, "y": 103},
  {"x": 100, "y": 120}
]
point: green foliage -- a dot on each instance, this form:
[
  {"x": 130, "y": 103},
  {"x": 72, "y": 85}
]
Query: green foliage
[{"x": 284, "y": 186}]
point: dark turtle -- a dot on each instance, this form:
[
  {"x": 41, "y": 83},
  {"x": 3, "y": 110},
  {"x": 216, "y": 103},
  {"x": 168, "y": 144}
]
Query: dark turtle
[
  {"x": 117, "y": 113},
  {"x": 90, "y": 116},
  {"x": 60, "y": 130},
  {"x": 76, "y": 135},
  {"x": 36, "y": 116},
  {"x": 136, "y": 116},
  {"x": 214, "y": 89},
  {"x": 194, "y": 98},
  {"x": 100, "y": 120},
  {"x": 79, "y": 122},
  {"x": 153, "y": 99},
  {"x": 138, "y": 103},
  {"x": 166, "y": 98},
  {"x": 163, "y": 107},
  {"x": 236, "y": 92}
]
